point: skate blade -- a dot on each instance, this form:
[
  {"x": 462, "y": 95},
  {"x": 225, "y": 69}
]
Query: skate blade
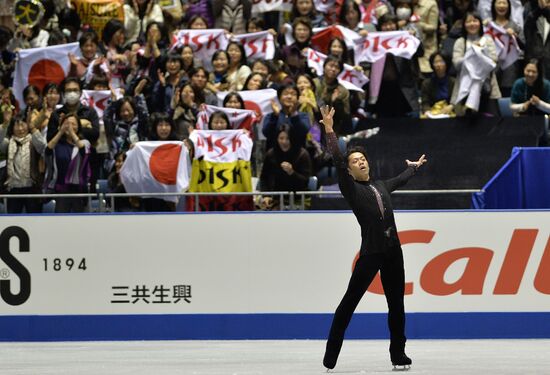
[{"x": 401, "y": 367}]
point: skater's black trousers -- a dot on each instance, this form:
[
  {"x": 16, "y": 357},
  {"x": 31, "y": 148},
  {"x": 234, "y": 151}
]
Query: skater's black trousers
[{"x": 392, "y": 274}]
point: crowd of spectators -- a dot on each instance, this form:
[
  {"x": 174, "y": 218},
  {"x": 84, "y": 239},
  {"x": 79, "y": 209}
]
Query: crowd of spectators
[{"x": 51, "y": 142}]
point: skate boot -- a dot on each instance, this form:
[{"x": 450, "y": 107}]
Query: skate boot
[
  {"x": 401, "y": 362},
  {"x": 331, "y": 354}
]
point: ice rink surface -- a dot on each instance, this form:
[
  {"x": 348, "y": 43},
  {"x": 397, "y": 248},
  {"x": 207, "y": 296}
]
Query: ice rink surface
[{"x": 292, "y": 357}]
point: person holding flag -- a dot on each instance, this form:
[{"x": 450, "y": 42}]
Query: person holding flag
[{"x": 380, "y": 247}]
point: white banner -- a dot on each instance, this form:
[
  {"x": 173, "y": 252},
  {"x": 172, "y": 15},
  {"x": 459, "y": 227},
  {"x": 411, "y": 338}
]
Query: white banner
[
  {"x": 350, "y": 78},
  {"x": 157, "y": 167},
  {"x": 221, "y": 146},
  {"x": 173, "y": 264},
  {"x": 261, "y": 6},
  {"x": 203, "y": 42},
  {"x": 507, "y": 46},
  {"x": 257, "y": 45},
  {"x": 324, "y": 6},
  {"x": 375, "y": 45},
  {"x": 96, "y": 100},
  {"x": 238, "y": 118}
]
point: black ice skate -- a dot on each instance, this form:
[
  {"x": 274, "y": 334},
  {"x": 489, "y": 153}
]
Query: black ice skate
[
  {"x": 331, "y": 354},
  {"x": 401, "y": 362}
]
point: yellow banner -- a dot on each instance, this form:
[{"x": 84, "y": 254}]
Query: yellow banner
[
  {"x": 97, "y": 13},
  {"x": 221, "y": 177}
]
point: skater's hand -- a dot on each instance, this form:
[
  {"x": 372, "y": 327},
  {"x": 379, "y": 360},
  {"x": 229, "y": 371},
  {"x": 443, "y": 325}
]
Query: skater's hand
[
  {"x": 328, "y": 114},
  {"x": 417, "y": 164}
]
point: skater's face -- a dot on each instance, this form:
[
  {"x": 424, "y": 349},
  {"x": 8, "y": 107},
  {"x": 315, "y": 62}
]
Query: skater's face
[{"x": 358, "y": 166}]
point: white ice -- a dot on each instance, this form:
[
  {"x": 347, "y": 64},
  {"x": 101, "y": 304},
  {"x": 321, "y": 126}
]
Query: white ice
[{"x": 293, "y": 357}]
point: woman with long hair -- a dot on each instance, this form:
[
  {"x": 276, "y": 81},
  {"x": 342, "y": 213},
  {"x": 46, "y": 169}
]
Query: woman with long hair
[{"x": 531, "y": 94}]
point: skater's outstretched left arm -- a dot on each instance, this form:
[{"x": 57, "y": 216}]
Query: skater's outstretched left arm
[{"x": 403, "y": 177}]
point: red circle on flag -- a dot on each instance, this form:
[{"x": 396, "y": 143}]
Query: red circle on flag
[
  {"x": 254, "y": 107},
  {"x": 163, "y": 163},
  {"x": 45, "y": 71}
]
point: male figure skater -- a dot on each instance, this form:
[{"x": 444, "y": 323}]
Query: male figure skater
[{"x": 380, "y": 247}]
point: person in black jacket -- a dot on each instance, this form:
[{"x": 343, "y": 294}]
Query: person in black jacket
[{"x": 380, "y": 246}]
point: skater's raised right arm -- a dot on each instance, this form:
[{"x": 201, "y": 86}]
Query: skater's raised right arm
[{"x": 345, "y": 180}]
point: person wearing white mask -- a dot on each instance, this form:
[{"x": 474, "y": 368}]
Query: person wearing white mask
[
  {"x": 71, "y": 90},
  {"x": 405, "y": 19},
  {"x": 89, "y": 121}
]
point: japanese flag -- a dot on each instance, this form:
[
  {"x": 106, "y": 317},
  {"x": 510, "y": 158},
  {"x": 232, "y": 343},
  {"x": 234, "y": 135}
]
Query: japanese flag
[
  {"x": 40, "y": 66},
  {"x": 157, "y": 167},
  {"x": 258, "y": 101},
  {"x": 350, "y": 78},
  {"x": 238, "y": 118},
  {"x": 323, "y": 35},
  {"x": 257, "y": 45}
]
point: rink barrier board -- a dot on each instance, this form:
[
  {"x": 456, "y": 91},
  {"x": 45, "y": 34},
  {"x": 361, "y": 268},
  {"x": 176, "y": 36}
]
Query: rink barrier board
[
  {"x": 469, "y": 274},
  {"x": 269, "y": 327}
]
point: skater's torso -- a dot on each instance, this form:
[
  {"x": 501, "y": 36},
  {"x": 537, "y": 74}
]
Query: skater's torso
[{"x": 374, "y": 214}]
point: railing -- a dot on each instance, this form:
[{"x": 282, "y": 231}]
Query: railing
[{"x": 101, "y": 198}]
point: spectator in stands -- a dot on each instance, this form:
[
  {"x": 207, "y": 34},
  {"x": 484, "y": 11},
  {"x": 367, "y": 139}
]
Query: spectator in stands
[
  {"x": 169, "y": 79},
  {"x": 33, "y": 102},
  {"x": 350, "y": 17},
  {"x": 29, "y": 37},
  {"x": 126, "y": 121},
  {"x": 238, "y": 71},
  {"x": 231, "y": 15},
  {"x": 219, "y": 121},
  {"x": 531, "y": 94},
  {"x": 298, "y": 122},
  {"x": 114, "y": 184},
  {"x": 255, "y": 81},
  {"x": 451, "y": 30},
  {"x": 218, "y": 78},
  {"x": 185, "y": 110},
  {"x": 162, "y": 129},
  {"x": 307, "y": 99},
  {"x": 536, "y": 26},
  {"x": 473, "y": 36},
  {"x": 330, "y": 92},
  {"x": 437, "y": 89},
  {"x": 88, "y": 120},
  {"x": 88, "y": 43},
  {"x": 292, "y": 56},
  {"x": 117, "y": 55},
  {"x": 69, "y": 170},
  {"x": 398, "y": 96},
  {"x": 286, "y": 167},
  {"x": 428, "y": 14},
  {"x": 306, "y": 9},
  {"x": 199, "y": 80},
  {"x": 156, "y": 42},
  {"x": 198, "y": 22},
  {"x": 233, "y": 100},
  {"x": 51, "y": 98},
  {"x": 405, "y": 19},
  {"x": 337, "y": 47},
  {"x": 138, "y": 14},
  {"x": 501, "y": 11},
  {"x": 266, "y": 69},
  {"x": 23, "y": 145},
  {"x": 188, "y": 61}
]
